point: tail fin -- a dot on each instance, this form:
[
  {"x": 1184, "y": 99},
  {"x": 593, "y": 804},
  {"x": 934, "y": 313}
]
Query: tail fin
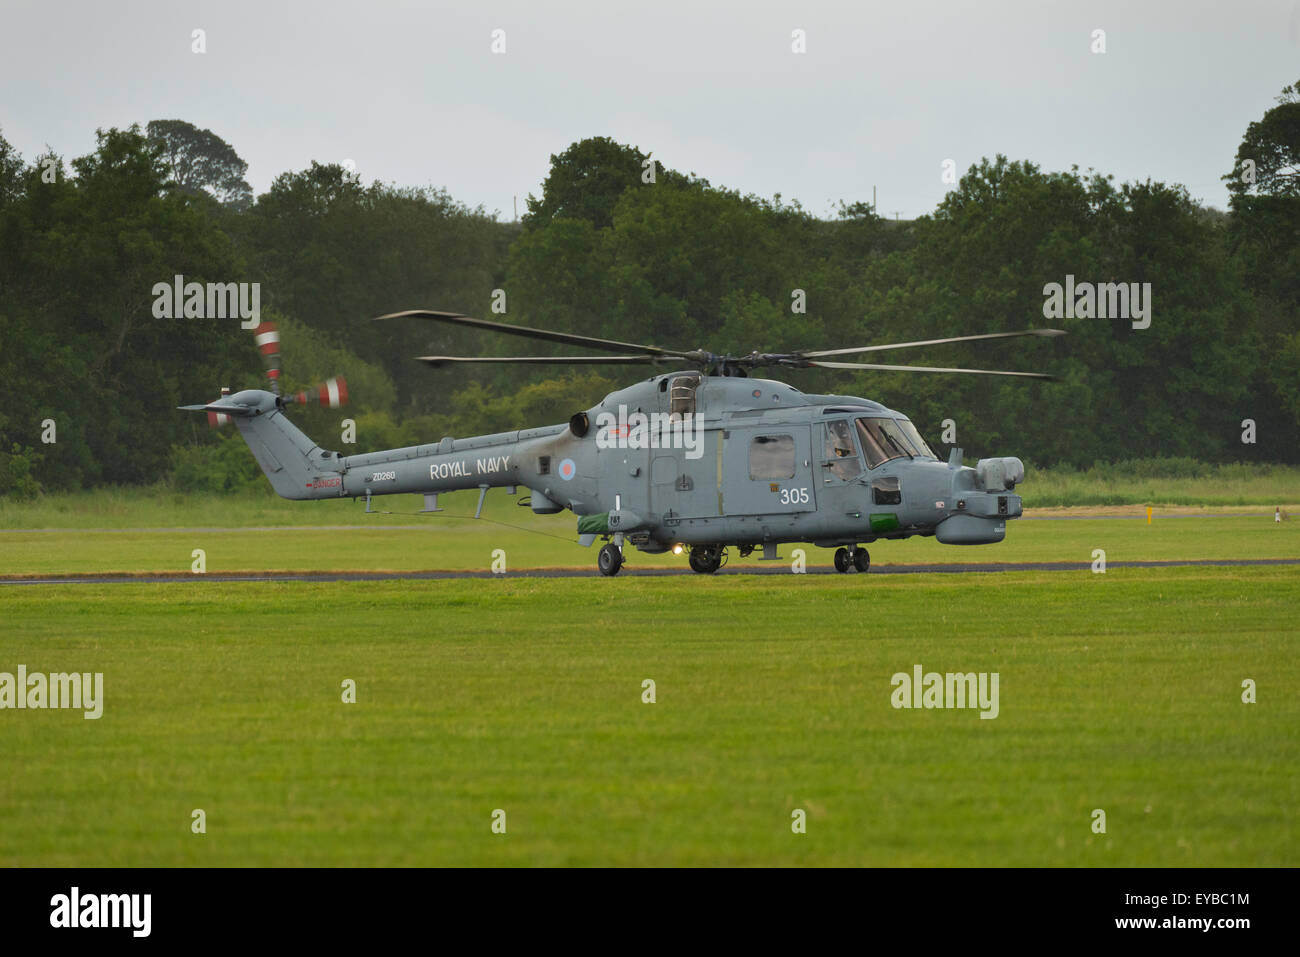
[{"x": 297, "y": 467}]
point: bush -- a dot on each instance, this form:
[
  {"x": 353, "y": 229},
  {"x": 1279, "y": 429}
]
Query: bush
[
  {"x": 223, "y": 466},
  {"x": 17, "y": 474},
  {"x": 1172, "y": 467}
]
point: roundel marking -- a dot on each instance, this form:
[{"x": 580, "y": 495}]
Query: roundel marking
[{"x": 568, "y": 470}]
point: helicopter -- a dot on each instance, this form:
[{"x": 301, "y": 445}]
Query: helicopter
[{"x": 698, "y": 460}]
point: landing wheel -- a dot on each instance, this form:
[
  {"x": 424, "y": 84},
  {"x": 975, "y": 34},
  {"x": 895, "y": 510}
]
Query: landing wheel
[
  {"x": 610, "y": 559},
  {"x": 706, "y": 559},
  {"x": 842, "y": 560},
  {"x": 861, "y": 560}
]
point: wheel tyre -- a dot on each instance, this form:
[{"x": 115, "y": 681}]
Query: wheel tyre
[
  {"x": 610, "y": 560},
  {"x": 862, "y": 560},
  {"x": 842, "y": 560},
  {"x": 705, "y": 561}
]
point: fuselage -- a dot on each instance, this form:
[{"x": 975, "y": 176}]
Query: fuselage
[{"x": 685, "y": 458}]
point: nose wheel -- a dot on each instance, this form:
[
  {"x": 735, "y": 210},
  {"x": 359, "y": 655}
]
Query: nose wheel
[
  {"x": 846, "y": 558},
  {"x": 610, "y": 559}
]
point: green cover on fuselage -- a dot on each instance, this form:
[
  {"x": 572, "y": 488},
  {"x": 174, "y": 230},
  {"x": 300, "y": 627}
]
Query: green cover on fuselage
[{"x": 593, "y": 524}]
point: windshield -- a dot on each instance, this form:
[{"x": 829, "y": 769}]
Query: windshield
[
  {"x": 919, "y": 446},
  {"x": 885, "y": 439}
]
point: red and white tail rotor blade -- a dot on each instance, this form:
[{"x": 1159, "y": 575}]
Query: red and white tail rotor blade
[
  {"x": 217, "y": 419},
  {"x": 330, "y": 394},
  {"x": 267, "y": 338}
]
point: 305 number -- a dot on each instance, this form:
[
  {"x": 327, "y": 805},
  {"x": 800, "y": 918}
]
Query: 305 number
[{"x": 795, "y": 496}]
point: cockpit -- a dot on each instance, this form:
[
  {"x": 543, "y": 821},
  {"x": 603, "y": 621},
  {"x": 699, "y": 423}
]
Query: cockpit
[
  {"x": 878, "y": 438},
  {"x": 884, "y": 439}
]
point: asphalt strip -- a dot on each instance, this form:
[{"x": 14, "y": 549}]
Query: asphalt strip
[
  {"x": 782, "y": 568},
  {"x": 427, "y": 526}
]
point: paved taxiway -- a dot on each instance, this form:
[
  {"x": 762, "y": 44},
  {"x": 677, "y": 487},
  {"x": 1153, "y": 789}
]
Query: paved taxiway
[{"x": 777, "y": 568}]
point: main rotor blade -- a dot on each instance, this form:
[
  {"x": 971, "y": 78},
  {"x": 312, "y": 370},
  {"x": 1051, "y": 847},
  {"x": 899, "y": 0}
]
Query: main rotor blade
[
  {"x": 545, "y": 360},
  {"x": 568, "y": 338},
  {"x": 880, "y": 368},
  {"x": 930, "y": 342}
]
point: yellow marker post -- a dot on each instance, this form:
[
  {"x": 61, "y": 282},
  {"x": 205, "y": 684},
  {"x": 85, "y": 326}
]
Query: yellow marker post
[{"x": 1148, "y": 514}]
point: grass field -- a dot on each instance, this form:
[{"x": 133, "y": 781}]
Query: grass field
[
  {"x": 139, "y": 534},
  {"x": 1235, "y": 484},
  {"x": 1120, "y": 692},
  {"x": 1220, "y": 486}
]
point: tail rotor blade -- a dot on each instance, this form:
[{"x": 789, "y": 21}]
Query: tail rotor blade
[
  {"x": 330, "y": 394},
  {"x": 267, "y": 338},
  {"x": 217, "y": 419}
]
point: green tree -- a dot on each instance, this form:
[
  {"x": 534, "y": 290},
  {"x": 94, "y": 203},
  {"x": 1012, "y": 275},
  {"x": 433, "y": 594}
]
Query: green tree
[
  {"x": 82, "y": 256},
  {"x": 585, "y": 182},
  {"x": 334, "y": 253},
  {"x": 1270, "y": 150},
  {"x": 1264, "y": 236},
  {"x": 11, "y": 172},
  {"x": 201, "y": 162}
]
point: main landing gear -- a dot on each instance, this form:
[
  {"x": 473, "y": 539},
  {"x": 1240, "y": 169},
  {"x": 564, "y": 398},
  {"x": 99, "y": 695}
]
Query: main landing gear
[
  {"x": 610, "y": 559},
  {"x": 706, "y": 559},
  {"x": 855, "y": 557}
]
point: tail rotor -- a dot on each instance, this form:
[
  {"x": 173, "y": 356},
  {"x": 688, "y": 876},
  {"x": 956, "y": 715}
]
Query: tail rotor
[{"x": 330, "y": 394}]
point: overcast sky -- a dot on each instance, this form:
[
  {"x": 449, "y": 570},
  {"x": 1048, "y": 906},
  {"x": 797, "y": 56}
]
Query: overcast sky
[{"x": 413, "y": 94}]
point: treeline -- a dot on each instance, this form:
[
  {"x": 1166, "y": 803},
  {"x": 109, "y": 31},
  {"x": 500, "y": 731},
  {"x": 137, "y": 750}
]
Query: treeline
[{"x": 621, "y": 247}]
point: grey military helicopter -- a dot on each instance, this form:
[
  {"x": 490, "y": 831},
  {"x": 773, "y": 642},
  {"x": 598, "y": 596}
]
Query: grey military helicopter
[{"x": 699, "y": 460}]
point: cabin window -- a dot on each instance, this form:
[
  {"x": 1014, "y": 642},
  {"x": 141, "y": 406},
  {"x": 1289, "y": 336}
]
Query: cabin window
[
  {"x": 682, "y": 395},
  {"x": 543, "y": 465},
  {"x": 841, "y": 451},
  {"x": 885, "y": 491},
  {"x": 771, "y": 457}
]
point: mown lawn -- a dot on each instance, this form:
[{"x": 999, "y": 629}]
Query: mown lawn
[
  {"x": 1119, "y": 691},
  {"x": 529, "y": 541}
]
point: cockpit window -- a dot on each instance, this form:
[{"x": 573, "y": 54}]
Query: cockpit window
[
  {"x": 884, "y": 439},
  {"x": 841, "y": 453},
  {"x": 919, "y": 445},
  {"x": 872, "y": 448}
]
